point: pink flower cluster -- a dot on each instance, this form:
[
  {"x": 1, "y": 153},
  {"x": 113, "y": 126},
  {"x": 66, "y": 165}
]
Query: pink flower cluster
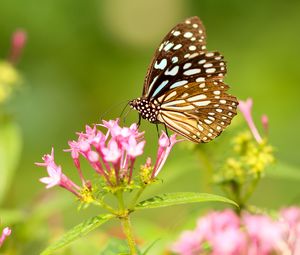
[
  {"x": 110, "y": 154},
  {"x": 226, "y": 233},
  {"x": 5, "y": 233}
]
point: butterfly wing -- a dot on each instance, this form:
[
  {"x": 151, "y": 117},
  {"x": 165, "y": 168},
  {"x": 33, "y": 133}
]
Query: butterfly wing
[
  {"x": 186, "y": 82},
  {"x": 188, "y": 37},
  {"x": 199, "y": 112}
]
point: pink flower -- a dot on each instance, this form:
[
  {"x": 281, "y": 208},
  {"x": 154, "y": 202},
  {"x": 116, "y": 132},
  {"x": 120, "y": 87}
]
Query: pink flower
[
  {"x": 266, "y": 236},
  {"x": 291, "y": 216},
  {"x": 246, "y": 109},
  {"x": 55, "y": 176},
  {"x": 112, "y": 153},
  {"x": 265, "y": 123},
  {"x": 165, "y": 146},
  {"x": 189, "y": 243},
  {"x": 5, "y": 233},
  {"x": 230, "y": 241},
  {"x": 229, "y": 234},
  {"x": 17, "y": 44},
  {"x": 134, "y": 148}
]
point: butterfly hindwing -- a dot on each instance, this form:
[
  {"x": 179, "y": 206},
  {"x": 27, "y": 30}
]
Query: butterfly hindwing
[{"x": 198, "y": 111}]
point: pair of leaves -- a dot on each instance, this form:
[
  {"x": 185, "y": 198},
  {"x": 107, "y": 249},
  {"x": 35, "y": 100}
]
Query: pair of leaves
[{"x": 154, "y": 202}]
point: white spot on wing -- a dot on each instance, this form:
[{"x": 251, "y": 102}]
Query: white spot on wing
[
  {"x": 192, "y": 71},
  {"x": 210, "y": 70},
  {"x": 187, "y": 65},
  {"x": 174, "y": 60},
  {"x": 177, "y": 47},
  {"x": 196, "y": 98},
  {"x": 172, "y": 94},
  {"x": 173, "y": 71},
  {"x": 200, "y": 79},
  {"x": 192, "y": 47},
  {"x": 168, "y": 46},
  {"x": 188, "y": 35},
  {"x": 176, "y": 33},
  {"x": 161, "y": 65},
  {"x": 203, "y": 103},
  {"x": 178, "y": 84}
]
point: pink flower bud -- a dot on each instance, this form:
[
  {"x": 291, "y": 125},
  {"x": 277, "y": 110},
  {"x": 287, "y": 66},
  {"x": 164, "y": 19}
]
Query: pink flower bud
[
  {"x": 18, "y": 42},
  {"x": 246, "y": 108}
]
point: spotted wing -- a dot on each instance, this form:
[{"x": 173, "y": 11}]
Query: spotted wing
[
  {"x": 185, "y": 40},
  {"x": 197, "y": 111}
]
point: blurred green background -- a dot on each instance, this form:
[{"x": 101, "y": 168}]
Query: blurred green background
[{"x": 86, "y": 58}]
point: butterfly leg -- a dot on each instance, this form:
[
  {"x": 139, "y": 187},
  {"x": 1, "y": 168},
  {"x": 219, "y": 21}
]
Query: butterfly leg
[
  {"x": 157, "y": 131},
  {"x": 139, "y": 121},
  {"x": 167, "y": 134}
]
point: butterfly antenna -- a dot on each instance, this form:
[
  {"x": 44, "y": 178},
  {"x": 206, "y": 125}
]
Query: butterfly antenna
[
  {"x": 125, "y": 115},
  {"x": 113, "y": 107},
  {"x": 124, "y": 111}
]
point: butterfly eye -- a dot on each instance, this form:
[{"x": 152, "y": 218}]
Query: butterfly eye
[{"x": 184, "y": 85}]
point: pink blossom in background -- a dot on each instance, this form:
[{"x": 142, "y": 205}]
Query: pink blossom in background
[
  {"x": 188, "y": 243},
  {"x": 265, "y": 235},
  {"x": 112, "y": 152},
  {"x": 246, "y": 109},
  {"x": 225, "y": 233},
  {"x": 265, "y": 123},
  {"x": 5, "y": 233},
  {"x": 291, "y": 216},
  {"x": 18, "y": 42}
]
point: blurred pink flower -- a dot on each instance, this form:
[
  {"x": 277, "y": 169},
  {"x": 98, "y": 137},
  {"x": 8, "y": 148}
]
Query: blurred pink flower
[
  {"x": 265, "y": 123},
  {"x": 18, "y": 42},
  {"x": 5, "y": 233},
  {"x": 266, "y": 236},
  {"x": 189, "y": 243},
  {"x": 246, "y": 109},
  {"x": 291, "y": 216},
  {"x": 226, "y": 233}
]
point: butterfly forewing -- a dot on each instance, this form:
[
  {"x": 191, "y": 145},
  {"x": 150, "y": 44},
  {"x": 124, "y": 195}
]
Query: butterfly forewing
[{"x": 184, "y": 40}]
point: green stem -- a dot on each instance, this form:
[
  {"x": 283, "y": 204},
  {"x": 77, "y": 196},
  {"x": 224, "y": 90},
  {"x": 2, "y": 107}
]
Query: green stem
[
  {"x": 104, "y": 205},
  {"x": 127, "y": 229},
  {"x": 208, "y": 172},
  {"x": 251, "y": 189},
  {"x": 125, "y": 222},
  {"x": 137, "y": 196}
]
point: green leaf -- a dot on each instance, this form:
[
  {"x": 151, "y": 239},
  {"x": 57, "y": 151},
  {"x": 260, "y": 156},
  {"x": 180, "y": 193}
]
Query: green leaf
[
  {"x": 10, "y": 151},
  {"x": 116, "y": 246},
  {"x": 150, "y": 246},
  {"x": 181, "y": 198},
  {"x": 78, "y": 231}
]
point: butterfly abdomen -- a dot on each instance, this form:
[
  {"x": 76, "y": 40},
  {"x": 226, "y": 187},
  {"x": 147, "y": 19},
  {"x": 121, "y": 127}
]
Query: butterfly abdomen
[{"x": 147, "y": 109}]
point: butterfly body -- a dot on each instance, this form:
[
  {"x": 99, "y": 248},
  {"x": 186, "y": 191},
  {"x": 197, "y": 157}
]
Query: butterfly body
[
  {"x": 184, "y": 88},
  {"x": 147, "y": 109}
]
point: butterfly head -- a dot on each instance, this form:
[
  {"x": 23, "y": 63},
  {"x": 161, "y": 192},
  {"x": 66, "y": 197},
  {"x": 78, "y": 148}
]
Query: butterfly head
[{"x": 147, "y": 109}]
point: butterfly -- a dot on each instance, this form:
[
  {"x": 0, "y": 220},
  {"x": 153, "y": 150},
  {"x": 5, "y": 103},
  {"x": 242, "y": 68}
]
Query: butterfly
[{"x": 184, "y": 88}]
